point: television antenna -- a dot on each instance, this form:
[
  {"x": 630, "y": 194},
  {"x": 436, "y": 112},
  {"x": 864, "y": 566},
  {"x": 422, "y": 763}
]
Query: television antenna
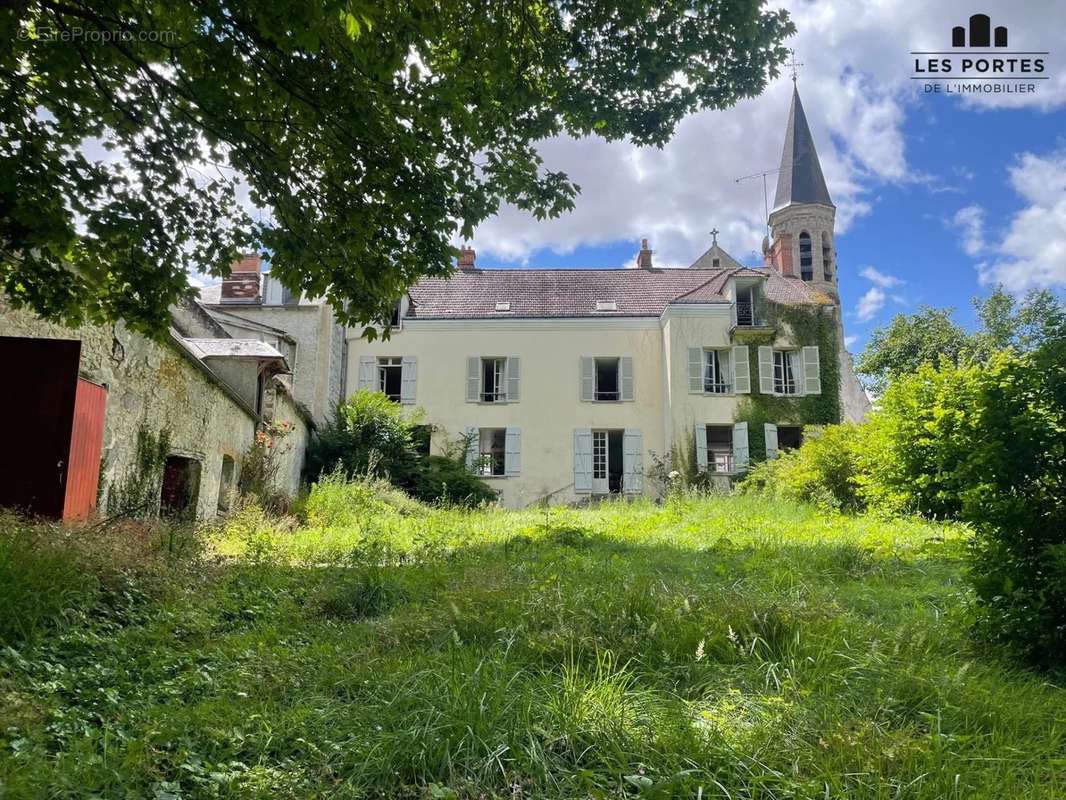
[{"x": 765, "y": 191}]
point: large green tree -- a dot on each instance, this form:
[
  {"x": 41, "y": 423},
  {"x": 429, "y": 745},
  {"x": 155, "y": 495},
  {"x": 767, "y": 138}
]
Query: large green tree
[{"x": 370, "y": 132}]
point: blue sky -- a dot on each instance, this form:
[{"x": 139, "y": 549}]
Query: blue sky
[{"x": 938, "y": 198}]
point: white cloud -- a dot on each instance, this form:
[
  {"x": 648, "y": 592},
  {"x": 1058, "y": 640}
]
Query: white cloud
[
  {"x": 850, "y": 340},
  {"x": 869, "y": 304},
  {"x": 856, "y": 92},
  {"x": 1032, "y": 250},
  {"x": 969, "y": 224},
  {"x": 884, "y": 280}
]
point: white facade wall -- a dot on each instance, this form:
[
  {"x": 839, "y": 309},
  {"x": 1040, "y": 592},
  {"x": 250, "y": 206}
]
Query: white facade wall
[{"x": 550, "y": 407}]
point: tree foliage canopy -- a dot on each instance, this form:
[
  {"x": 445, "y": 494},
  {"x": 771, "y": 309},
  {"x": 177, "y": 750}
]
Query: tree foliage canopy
[
  {"x": 369, "y": 132},
  {"x": 931, "y": 336}
]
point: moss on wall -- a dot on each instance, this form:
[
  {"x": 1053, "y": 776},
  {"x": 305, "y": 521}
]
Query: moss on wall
[{"x": 804, "y": 326}]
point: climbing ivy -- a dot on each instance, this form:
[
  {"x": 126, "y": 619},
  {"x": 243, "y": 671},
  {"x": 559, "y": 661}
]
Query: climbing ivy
[
  {"x": 808, "y": 326},
  {"x": 136, "y": 493}
]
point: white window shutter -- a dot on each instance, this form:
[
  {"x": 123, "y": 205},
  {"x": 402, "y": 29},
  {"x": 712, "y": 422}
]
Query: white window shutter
[
  {"x": 766, "y": 370},
  {"x": 583, "y": 460},
  {"x": 367, "y": 365},
  {"x": 512, "y": 456},
  {"x": 770, "y": 432},
  {"x": 740, "y": 446},
  {"x": 588, "y": 379},
  {"x": 812, "y": 371},
  {"x": 408, "y": 380},
  {"x": 741, "y": 370},
  {"x": 625, "y": 378},
  {"x": 512, "y": 379},
  {"x": 473, "y": 379},
  {"x": 473, "y": 448},
  {"x": 632, "y": 461},
  {"x": 701, "y": 447},
  {"x": 695, "y": 370}
]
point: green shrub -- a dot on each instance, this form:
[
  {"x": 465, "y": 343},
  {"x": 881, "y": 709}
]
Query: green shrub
[
  {"x": 369, "y": 435},
  {"x": 372, "y": 436},
  {"x": 824, "y": 471},
  {"x": 446, "y": 480},
  {"x": 986, "y": 444},
  {"x": 338, "y": 501}
]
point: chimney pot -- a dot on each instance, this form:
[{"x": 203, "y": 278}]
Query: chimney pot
[{"x": 467, "y": 256}]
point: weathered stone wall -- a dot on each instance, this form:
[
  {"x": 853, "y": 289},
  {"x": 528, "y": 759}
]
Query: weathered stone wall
[{"x": 160, "y": 387}]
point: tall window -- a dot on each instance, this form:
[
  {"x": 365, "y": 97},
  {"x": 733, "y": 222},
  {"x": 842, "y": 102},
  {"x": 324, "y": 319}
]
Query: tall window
[
  {"x": 745, "y": 306},
  {"x": 720, "y": 448},
  {"x": 827, "y": 257},
  {"x": 806, "y": 257},
  {"x": 390, "y": 375},
  {"x": 715, "y": 375},
  {"x": 607, "y": 379},
  {"x": 785, "y": 371},
  {"x": 493, "y": 380},
  {"x": 492, "y": 444}
]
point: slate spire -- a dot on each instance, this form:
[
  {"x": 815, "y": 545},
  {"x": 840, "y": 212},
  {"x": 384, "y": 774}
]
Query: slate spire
[{"x": 800, "y": 179}]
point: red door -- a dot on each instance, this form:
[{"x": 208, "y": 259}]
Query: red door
[{"x": 86, "y": 446}]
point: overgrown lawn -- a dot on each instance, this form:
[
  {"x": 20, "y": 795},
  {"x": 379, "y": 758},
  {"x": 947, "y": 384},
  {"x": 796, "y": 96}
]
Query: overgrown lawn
[{"x": 719, "y": 647}]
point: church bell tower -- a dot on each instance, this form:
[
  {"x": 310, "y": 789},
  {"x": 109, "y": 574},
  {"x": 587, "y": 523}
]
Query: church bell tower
[{"x": 801, "y": 224}]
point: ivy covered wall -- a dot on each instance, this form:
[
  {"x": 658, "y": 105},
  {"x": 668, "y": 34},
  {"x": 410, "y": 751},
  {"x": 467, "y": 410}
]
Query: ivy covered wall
[{"x": 803, "y": 326}]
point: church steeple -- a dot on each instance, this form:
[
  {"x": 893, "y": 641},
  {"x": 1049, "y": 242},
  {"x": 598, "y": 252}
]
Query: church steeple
[
  {"x": 800, "y": 179},
  {"x": 802, "y": 220}
]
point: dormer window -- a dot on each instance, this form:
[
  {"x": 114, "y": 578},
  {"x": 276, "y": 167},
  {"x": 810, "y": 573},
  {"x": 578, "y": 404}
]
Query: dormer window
[
  {"x": 503, "y": 306},
  {"x": 606, "y": 305},
  {"x": 806, "y": 257}
]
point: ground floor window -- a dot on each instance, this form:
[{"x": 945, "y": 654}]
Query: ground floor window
[
  {"x": 606, "y": 461},
  {"x": 720, "y": 448},
  {"x": 492, "y": 451},
  {"x": 789, "y": 437}
]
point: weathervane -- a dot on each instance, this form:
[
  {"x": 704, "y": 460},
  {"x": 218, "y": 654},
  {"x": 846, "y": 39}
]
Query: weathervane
[{"x": 794, "y": 65}]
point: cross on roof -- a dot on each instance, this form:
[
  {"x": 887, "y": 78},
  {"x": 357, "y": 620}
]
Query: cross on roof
[
  {"x": 794, "y": 65},
  {"x": 714, "y": 236}
]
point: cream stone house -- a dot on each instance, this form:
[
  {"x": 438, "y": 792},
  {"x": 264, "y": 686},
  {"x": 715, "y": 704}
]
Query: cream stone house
[{"x": 568, "y": 381}]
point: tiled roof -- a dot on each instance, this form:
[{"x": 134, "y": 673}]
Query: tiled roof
[
  {"x": 575, "y": 292},
  {"x": 233, "y": 348}
]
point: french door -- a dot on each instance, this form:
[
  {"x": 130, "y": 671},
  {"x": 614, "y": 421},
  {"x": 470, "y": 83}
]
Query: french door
[{"x": 600, "y": 466}]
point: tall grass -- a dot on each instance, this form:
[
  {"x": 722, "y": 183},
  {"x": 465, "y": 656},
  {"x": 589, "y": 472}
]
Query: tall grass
[{"x": 715, "y": 647}]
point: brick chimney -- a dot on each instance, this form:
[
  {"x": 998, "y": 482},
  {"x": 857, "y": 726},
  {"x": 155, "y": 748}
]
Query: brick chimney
[
  {"x": 466, "y": 258},
  {"x": 781, "y": 255},
  {"x": 644, "y": 256},
  {"x": 242, "y": 284}
]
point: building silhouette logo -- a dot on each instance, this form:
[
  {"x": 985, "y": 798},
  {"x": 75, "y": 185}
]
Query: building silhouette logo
[
  {"x": 980, "y": 61},
  {"x": 981, "y": 33}
]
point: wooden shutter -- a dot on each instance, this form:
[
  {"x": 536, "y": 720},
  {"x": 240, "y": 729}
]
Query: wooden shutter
[
  {"x": 695, "y": 370},
  {"x": 473, "y": 379},
  {"x": 625, "y": 378},
  {"x": 701, "y": 447},
  {"x": 583, "y": 460},
  {"x": 632, "y": 461},
  {"x": 812, "y": 371},
  {"x": 512, "y": 456},
  {"x": 770, "y": 432},
  {"x": 408, "y": 378},
  {"x": 367, "y": 365},
  {"x": 512, "y": 379},
  {"x": 588, "y": 378},
  {"x": 766, "y": 370},
  {"x": 741, "y": 370},
  {"x": 473, "y": 448},
  {"x": 740, "y": 446}
]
